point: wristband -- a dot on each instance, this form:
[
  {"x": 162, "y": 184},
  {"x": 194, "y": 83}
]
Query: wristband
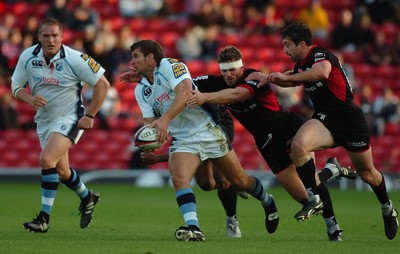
[{"x": 89, "y": 116}]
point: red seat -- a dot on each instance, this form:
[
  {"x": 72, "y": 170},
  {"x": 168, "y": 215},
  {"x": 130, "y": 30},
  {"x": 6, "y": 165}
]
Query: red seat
[
  {"x": 265, "y": 54},
  {"x": 196, "y": 67},
  {"x": 212, "y": 67},
  {"x": 392, "y": 129}
]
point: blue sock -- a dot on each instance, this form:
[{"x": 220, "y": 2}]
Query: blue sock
[
  {"x": 49, "y": 189},
  {"x": 187, "y": 204},
  {"x": 259, "y": 193},
  {"x": 74, "y": 183}
]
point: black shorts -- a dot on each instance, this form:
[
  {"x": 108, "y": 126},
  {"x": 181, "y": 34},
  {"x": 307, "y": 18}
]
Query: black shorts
[
  {"x": 275, "y": 145},
  {"x": 349, "y": 129}
]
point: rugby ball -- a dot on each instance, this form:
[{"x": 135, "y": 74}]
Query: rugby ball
[{"x": 146, "y": 138}]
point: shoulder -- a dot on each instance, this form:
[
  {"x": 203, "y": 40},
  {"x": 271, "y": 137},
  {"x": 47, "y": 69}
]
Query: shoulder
[
  {"x": 174, "y": 65},
  {"x": 319, "y": 53},
  {"x": 74, "y": 55},
  {"x": 30, "y": 52},
  {"x": 209, "y": 83}
]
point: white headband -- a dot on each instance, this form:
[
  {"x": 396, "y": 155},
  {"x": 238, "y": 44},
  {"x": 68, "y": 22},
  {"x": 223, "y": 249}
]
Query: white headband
[{"x": 231, "y": 65}]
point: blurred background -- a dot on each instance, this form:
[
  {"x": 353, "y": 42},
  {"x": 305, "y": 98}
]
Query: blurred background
[{"x": 365, "y": 35}]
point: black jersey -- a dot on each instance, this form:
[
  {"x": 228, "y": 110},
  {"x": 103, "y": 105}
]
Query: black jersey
[
  {"x": 260, "y": 114},
  {"x": 332, "y": 95},
  {"x": 272, "y": 127},
  {"x": 334, "y": 104}
]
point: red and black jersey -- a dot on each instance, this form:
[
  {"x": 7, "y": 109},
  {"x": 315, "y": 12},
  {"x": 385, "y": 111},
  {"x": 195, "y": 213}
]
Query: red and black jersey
[
  {"x": 333, "y": 94},
  {"x": 260, "y": 114}
]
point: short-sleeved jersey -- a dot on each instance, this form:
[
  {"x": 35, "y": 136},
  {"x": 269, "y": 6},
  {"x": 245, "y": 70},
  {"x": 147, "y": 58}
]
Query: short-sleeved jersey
[
  {"x": 332, "y": 95},
  {"x": 260, "y": 114},
  {"x": 272, "y": 127},
  {"x": 334, "y": 104},
  {"x": 155, "y": 99},
  {"x": 59, "y": 81}
]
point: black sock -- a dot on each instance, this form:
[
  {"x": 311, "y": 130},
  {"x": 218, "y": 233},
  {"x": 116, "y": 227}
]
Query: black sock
[
  {"x": 326, "y": 199},
  {"x": 228, "y": 199},
  {"x": 325, "y": 175},
  {"x": 307, "y": 176},
  {"x": 381, "y": 192}
]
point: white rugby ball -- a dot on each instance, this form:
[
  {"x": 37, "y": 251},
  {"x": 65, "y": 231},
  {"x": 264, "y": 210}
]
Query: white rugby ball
[{"x": 146, "y": 138}]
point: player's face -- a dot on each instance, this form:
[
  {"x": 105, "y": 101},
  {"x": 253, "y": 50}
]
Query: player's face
[
  {"x": 232, "y": 76},
  {"x": 138, "y": 62},
  {"x": 51, "y": 38},
  {"x": 292, "y": 50}
]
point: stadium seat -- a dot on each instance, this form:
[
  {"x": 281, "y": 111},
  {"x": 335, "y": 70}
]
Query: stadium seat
[
  {"x": 392, "y": 129},
  {"x": 196, "y": 67},
  {"x": 137, "y": 24},
  {"x": 265, "y": 54},
  {"x": 212, "y": 67}
]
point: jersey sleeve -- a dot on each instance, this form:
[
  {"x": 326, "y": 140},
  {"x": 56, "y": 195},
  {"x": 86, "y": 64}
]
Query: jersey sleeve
[
  {"x": 86, "y": 68},
  {"x": 175, "y": 71},
  {"x": 145, "y": 108},
  {"x": 20, "y": 76}
]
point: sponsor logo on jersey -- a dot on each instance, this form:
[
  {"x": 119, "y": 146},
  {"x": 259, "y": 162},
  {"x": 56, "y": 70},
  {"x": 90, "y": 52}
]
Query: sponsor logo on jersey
[
  {"x": 147, "y": 92},
  {"x": 179, "y": 69},
  {"x": 356, "y": 144},
  {"x": 59, "y": 66},
  {"x": 45, "y": 80},
  {"x": 163, "y": 97},
  {"x": 319, "y": 56},
  {"x": 252, "y": 82},
  {"x": 37, "y": 63},
  {"x": 173, "y": 60},
  {"x": 85, "y": 57},
  {"x": 200, "y": 78},
  {"x": 314, "y": 87},
  {"x": 95, "y": 66}
]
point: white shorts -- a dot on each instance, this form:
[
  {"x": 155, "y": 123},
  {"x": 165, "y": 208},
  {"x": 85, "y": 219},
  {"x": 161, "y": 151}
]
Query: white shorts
[
  {"x": 208, "y": 143},
  {"x": 65, "y": 125}
]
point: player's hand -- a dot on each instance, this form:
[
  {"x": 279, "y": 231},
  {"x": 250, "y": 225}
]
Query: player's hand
[
  {"x": 161, "y": 124},
  {"x": 130, "y": 76},
  {"x": 262, "y": 78},
  {"x": 277, "y": 77},
  {"x": 38, "y": 102},
  {"x": 197, "y": 99},
  {"x": 85, "y": 123},
  {"x": 148, "y": 158}
]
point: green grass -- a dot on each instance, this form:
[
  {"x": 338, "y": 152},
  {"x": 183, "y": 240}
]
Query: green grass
[{"x": 140, "y": 220}]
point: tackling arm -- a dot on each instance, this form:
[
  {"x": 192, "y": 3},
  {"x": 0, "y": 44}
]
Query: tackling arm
[{"x": 225, "y": 96}]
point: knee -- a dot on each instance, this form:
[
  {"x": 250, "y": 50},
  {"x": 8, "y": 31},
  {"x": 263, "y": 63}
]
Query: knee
[
  {"x": 46, "y": 161},
  {"x": 223, "y": 185},
  {"x": 370, "y": 176},
  {"x": 241, "y": 183},
  {"x": 180, "y": 180},
  {"x": 298, "y": 148},
  {"x": 64, "y": 175}
]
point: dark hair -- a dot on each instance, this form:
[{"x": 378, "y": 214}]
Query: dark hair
[
  {"x": 298, "y": 32},
  {"x": 49, "y": 21},
  {"x": 149, "y": 46},
  {"x": 229, "y": 54}
]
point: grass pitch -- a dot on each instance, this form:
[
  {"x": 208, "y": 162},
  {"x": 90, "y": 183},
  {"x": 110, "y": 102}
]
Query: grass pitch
[{"x": 143, "y": 220}]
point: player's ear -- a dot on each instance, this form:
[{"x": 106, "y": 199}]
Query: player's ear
[{"x": 150, "y": 57}]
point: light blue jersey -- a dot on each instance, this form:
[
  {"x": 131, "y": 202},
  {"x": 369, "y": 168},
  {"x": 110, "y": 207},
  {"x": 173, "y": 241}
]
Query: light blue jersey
[
  {"x": 59, "y": 82},
  {"x": 155, "y": 99}
]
